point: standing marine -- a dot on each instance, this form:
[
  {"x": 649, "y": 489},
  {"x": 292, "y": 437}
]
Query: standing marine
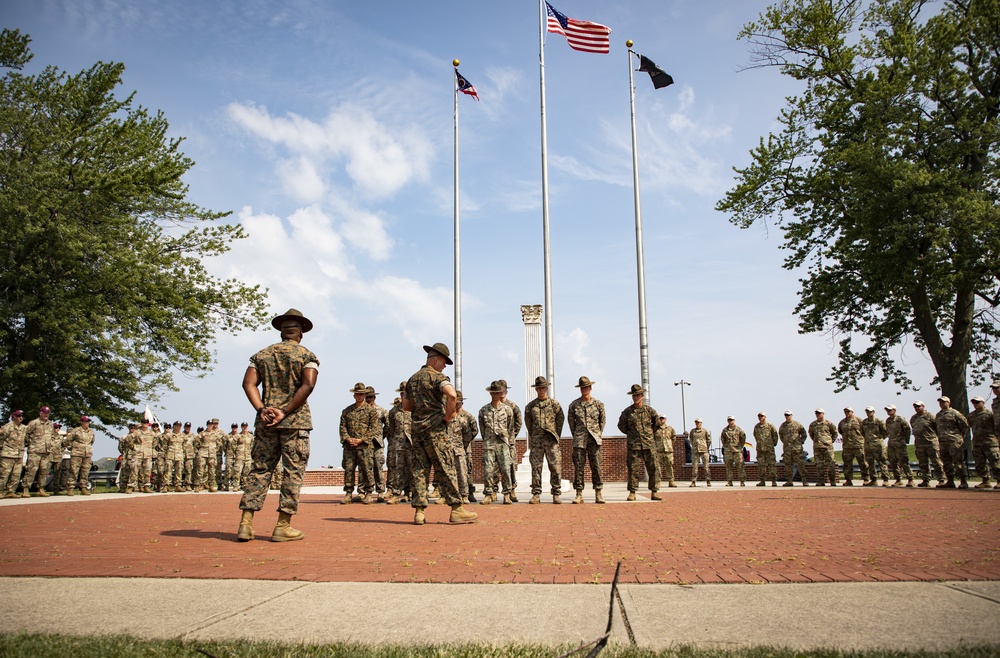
[
  {"x": 638, "y": 422},
  {"x": 765, "y": 435},
  {"x": 544, "y": 419},
  {"x": 587, "y": 419}
]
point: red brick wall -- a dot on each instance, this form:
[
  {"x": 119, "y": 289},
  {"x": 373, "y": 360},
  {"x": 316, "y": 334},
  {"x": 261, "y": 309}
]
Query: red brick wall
[{"x": 613, "y": 463}]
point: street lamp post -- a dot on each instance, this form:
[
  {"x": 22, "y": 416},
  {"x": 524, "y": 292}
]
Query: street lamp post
[{"x": 682, "y": 384}]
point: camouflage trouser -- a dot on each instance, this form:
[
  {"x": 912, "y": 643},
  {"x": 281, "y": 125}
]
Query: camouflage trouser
[
  {"x": 985, "y": 453},
  {"x": 433, "y": 449},
  {"x": 581, "y": 457},
  {"x": 928, "y": 459},
  {"x": 512, "y": 450},
  {"x": 188, "y": 471},
  {"x": 400, "y": 479},
  {"x": 899, "y": 461},
  {"x": 60, "y": 475},
  {"x": 124, "y": 472},
  {"x": 547, "y": 448},
  {"x": 468, "y": 468},
  {"x": 875, "y": 456},
  {"x": 461, "y": 470},
  {"x": 271, "y": 445},
  {"x": 635, "y": 460},
  {"x": 162, "y": 477},
  {"x": 826, "y": 465},
  {"x": 853, "y": 454},
  {"x": 240, "y": 469},
  {"x": 205, "y": 476},
  {"x": 734, "y": 461},
  {"x": 496, "y": 464},
  {"x": 358, "y": 458},
  {"x": 792, "y": 457},
  {"x": 665, "y": 462},
  {"x": 953, "y": 458},
  {"x": 79, "y": 471},
  {"x": 278, "y": 476},
  {"x": 219, "y": 456},
  {"x": 231, "y": 476},
  {"x": 37, "y": 466},
  {"x": 378, "y": 462},
  {"x": 10, "y": 474},
  {"x": 767, "y": 465},
  {"x": 700, "y": 458},
  {"x": 175, "y": 474}
]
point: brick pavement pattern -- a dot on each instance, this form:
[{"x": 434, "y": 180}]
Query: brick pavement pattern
[{"x": 697, "y": 537}]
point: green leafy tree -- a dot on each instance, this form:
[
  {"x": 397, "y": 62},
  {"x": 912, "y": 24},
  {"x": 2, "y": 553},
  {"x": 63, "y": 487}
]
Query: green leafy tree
[
  {"x": 883, "y": 180},
  {"x": 103, "y": 295}
]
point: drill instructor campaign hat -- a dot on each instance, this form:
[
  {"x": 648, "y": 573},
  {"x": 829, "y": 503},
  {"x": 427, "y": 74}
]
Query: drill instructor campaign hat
[
  {"x": 494, "y": 387},
  {"x": 402, "y": 387},
  {"x": 293, "y": 314},
  {"x": 359, "y": 389},
  {"x": 584, "y": 382},
  {"x": 636, "y": 390},
  {"x": 541, "y": 382},
  {"x": 370, "y": 391},
  {"x": 439, "y": 349}
]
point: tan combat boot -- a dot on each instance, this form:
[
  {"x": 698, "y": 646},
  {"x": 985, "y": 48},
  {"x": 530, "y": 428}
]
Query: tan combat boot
[
  {"x": 245, "y": 533},
  {"x": 85, "y": 492},
  {"x": 672, "y": 484},
  {"x": 508, "y": 499},
  {"x": 418, "y": 516},
  {"x": 43, "y": 493},
  {"x": 284, "y": 531},
  {"x": 655, "y": 496},
  {"x": 556, "y": 499},
  {"x": 579, "y": 498},
  {"x": 487, "y": 500},
  {"x": 513, "y": 496},
  {"x": 460, "y": 515},
  {"x": 631, "y": 496},
  {"x": 25, "y": 494},
  {"x": 598, "y": 497},
  {"x": 391, "y": 499},
  {"x": 985, "y": 484},
  {"x": 441, "y": 500},
  {"x": 535, "y": 499},
  {"x": 366, "y": 499},
  {"x": 348, "y": 499}
]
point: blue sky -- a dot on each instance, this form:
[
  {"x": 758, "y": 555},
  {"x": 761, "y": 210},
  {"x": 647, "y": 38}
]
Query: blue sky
[{"x": 327, "y": 129}]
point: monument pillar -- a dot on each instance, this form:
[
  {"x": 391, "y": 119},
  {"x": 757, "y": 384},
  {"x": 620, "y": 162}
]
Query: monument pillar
[{"x": 531, "y": 315}]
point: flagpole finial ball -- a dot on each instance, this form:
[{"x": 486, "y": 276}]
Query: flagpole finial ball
[
  {"x": 455, "y": 62},
  {"x": 628, "y": 44}
]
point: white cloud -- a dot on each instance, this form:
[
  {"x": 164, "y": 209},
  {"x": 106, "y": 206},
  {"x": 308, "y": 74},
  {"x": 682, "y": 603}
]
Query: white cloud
[
  {"x": 364, "y": 230},
  {"x": 301, "y": 179},
  {"x": 419, "y": 312},
  {"x": 378, "y": 158}
]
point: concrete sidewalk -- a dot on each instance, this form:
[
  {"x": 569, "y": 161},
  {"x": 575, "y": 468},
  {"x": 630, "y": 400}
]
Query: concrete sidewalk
[{"x": 801, "y": 616}]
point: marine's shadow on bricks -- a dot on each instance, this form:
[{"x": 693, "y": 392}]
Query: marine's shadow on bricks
[
  {"x": 354, "y": 519},
  {"x": 201, "y": 534}
]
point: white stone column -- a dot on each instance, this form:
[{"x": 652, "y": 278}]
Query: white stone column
[{"x": 531, "y": 315}]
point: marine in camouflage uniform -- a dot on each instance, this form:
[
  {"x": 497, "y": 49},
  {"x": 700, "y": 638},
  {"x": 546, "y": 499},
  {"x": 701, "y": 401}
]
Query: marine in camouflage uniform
[
  {"x": 701, "y": 441},
  {"x": 854, "y": 446},
  {"x": 544, "y": 419},
  {"x": 823, "y": 434},
  {"x": 12, "y": 454},
  {"x": 358, "y": 427},
  {"x": 159, "y": 459},
  {"x": 952, "y": 427},
  {"x": 126, "y": 447},
  {"x": 793, "y": 436},
  {"x": 400, "y": 452},
  {"x": 663, "y": 439},
  {"x": 241, "y": 456},
  {"x": 495, "y": 423},
  {"x": 925, "y": 440},
  {"x": 431, "y": 400},
  {"x": 286, "y": 372},
  {"x": 516, "y": 423},
  {"x": 188, "y": 445},
  {"x": 143, "y": 458},
  {"x": 81, "y": 445},
  {"x": 462, "y": 430},
  {"x": 587, "y": 419},
  {"x": 208, "y": 454},
  {"x": 898, "y": 432},
  {"x": 875, "y": 433},
  {"x": 638, "y": 422},
  {"x": 39, "y": 438},
  {"x": 378, "y": 444},
  {"x": 985, "y": 448},
  {"x": 733, "y": 438},
  {"x": 765, "y": 436},
  {"x": 174, "y": 440},
  {"x": 231, "y": 476}
]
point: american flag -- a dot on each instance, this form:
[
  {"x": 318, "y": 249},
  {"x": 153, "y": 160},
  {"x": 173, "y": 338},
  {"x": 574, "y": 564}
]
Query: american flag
[
  {"x": 465, "y": 86},
  {"x": 581, "y": 35}
]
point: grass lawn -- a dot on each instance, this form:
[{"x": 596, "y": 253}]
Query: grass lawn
[{"x": 57, "y": 646}]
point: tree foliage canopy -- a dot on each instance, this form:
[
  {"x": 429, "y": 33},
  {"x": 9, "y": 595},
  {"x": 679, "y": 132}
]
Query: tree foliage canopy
[
  {"x": 103, "y": 294},
  {"x": 884, "y": 180}
]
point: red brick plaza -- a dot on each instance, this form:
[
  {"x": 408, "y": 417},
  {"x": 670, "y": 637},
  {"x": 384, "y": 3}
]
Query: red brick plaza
[{"x": 752, "y": 535}]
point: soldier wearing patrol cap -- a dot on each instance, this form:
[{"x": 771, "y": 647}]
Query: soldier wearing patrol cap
[
  {"x": 701, "y": 442},
  {"x": 793, "y": 436},
  {"x": 898, "y": 432},
  {"x": 875, "y": 433},
  {"x": 733, "y": 438},
  {"x": 854, "y": 447},
  {"x": 985, "y": 449},
  {"x": 765, "y": 435},
  {"x": 823, "y": 434},
  {"x": 39, "y": 438},
  {"x": 11, "y": 454},
  {"x": 80, "y": 441},
  {"x": 952, "y": 427},
  {"x": 400, "y": 452},
  {"x": 925, "y": 441},
  {"x": 188, "y": 451}
]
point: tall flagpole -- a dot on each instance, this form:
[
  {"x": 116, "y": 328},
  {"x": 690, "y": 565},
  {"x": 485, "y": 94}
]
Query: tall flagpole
[
  {"x": 458, "y": 256},
  {"x": 640, "y": 266},
  {"x": 549, "y": 358}
]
